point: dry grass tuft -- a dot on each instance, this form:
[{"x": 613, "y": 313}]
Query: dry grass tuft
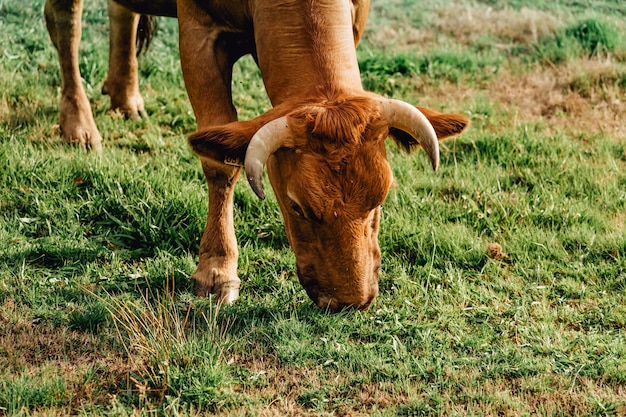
[
  {"x": 152, "y": 333},
  {"x": 468, "y": 24},
  {"x": 399, "y": 37},
  {"x": 161, "y": 337}
]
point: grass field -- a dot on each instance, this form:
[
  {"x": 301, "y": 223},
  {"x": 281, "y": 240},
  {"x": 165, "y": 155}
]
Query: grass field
[{"x": 503, "y": 284}]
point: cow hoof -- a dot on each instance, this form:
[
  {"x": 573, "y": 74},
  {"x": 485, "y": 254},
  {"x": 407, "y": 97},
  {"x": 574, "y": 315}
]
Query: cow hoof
[
  {"x": 131, "y": 109},
  {"x": 129, "y": 114},
  {"x": 128, "y": 103},
  {"x": 77, "y": 124},
  {"x": 136, "y": 115},
  {"x": 87, "y": 139},
  {"x": 226, "y": 290}
]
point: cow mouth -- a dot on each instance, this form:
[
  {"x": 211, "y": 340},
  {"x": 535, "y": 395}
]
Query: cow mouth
[{"x": 329, "y": 300}]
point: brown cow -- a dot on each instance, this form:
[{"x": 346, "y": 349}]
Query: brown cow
[
  {"x": 63, "y": 19},
  {"x": 323, "y": 141}
]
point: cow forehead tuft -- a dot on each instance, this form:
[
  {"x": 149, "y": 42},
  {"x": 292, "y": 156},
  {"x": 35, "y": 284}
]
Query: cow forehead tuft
[{"x": 338, "y": 122}]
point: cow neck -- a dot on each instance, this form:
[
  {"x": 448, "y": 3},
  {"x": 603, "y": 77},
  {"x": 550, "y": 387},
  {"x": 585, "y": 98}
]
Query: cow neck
[{"x": 305, "y": 47}]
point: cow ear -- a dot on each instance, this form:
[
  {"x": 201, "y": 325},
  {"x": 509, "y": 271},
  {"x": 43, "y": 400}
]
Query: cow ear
[
  {"x": 445, "y": 124},
  {"x": 229, "y": 143},
  {"x": 225, "y": 143}
]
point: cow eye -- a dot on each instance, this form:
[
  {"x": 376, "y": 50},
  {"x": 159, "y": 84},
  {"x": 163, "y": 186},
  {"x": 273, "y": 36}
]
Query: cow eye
[
  {"x": 297, "y": 209},
  {"x": 305, "y": 213}
]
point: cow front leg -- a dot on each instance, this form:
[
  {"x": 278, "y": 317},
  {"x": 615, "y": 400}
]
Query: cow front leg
[
  {"x": 217, "y": 264},
  {"x": 207, "y": 58},
  {"x": 63, "y": 20},
  {"x": 122, "y": 83}
]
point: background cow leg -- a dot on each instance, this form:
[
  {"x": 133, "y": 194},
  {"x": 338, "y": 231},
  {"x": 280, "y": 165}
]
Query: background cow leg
[
  {"x": 122, "y": 83},
  {"x": 63, "y": 19},
  {"x": 207, "y": 59}
]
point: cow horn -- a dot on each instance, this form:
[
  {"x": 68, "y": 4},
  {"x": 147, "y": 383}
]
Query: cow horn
[
  {"x": 267, "y": 140},
  {"x": 407, "y": 118}
]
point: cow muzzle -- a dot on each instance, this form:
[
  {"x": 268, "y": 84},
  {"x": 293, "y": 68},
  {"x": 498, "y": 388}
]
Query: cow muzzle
[{"x": 347, "y": 293}]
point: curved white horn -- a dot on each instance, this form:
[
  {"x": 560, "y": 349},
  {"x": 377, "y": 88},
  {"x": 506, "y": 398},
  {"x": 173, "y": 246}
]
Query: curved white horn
[
  {"x": 267, "y": 140},
  {"x": 409, "y": 119}
]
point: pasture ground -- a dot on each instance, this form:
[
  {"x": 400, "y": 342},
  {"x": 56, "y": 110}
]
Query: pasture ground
[{"x": 503, "y": 287}]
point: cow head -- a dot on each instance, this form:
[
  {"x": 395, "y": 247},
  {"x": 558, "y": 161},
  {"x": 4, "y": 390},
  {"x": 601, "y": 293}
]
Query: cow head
[{"x": 328, "y": 167}]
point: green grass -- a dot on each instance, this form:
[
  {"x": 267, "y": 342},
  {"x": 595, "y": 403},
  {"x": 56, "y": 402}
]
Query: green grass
[{"x": 503, "y": 284}]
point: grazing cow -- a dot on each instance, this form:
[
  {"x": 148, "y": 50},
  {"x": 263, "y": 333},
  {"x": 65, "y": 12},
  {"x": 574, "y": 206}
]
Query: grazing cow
[
  {"x": 323, "y": 142},
  {"x": 63, "y": 20}
]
